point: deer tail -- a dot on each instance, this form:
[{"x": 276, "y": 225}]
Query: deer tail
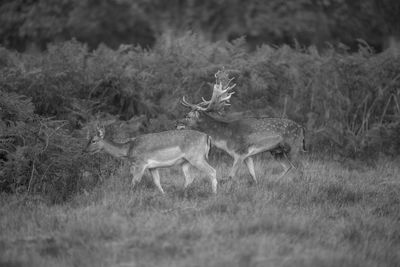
[{"x": 303, "y": 131}]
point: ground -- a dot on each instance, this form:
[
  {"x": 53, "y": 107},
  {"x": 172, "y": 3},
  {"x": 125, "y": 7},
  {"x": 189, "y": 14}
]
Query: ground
[{"x": 336, "y": 214}]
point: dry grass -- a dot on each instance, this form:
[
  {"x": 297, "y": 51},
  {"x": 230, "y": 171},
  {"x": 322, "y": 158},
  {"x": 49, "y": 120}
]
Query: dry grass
[{"x": 335, "y": 215}]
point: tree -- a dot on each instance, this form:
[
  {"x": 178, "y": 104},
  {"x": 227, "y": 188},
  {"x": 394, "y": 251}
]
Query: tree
[
  {"x": 142, "y": 21},
  {"x": 389, "y": 11},
  {"x": 38, "y": 22}
]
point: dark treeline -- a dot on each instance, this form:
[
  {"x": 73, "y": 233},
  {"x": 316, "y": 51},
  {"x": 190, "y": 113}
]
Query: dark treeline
[{"x": 32, "y": 24}]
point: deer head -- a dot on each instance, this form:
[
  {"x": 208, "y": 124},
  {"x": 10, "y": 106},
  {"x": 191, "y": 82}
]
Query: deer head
[
  {"x": 221, "y": 95},
  {"x": 96, "y": 143}
]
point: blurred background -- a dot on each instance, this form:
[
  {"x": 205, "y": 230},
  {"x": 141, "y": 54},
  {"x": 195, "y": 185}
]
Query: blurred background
[{"x": 32, "y": 24}]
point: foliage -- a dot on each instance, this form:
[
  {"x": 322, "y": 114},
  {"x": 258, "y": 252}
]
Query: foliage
[
  {"x": 348, "y": 102},
  {"x": 37, "y": 155},
  {"x": 37, "y": 23}
]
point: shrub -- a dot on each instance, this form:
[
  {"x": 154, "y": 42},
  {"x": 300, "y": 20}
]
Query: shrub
[{"x": 349, "y": 103}]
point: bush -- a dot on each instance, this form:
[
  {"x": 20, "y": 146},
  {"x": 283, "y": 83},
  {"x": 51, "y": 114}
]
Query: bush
[{"x": 349, "y": 103}]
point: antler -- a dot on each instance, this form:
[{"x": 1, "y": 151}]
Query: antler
[
  {"x": 220, "y": 97},
  {"x": 192, "y": 106},
  {"x": 221, "y": 92}
]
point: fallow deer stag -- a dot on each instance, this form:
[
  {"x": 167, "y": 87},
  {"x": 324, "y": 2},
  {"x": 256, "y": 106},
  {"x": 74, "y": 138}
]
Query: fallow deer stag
[
  {"x": 244, "y": 137},
  {"x": 157, "y": 150}
]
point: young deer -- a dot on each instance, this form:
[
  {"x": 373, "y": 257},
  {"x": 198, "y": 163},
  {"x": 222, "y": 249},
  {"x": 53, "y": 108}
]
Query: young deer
[
  {"x": 157, "y": 150},
  {"x": 244, "y": 137}
]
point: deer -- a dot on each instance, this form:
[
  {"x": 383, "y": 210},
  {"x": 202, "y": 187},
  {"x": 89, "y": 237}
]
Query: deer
[
  {"x": 158, "y": 150},
  {"x": 244, "y": 137}
]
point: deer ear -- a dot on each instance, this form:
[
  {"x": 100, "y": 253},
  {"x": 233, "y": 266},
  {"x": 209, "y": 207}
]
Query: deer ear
[{"x": 100, "y": 132}]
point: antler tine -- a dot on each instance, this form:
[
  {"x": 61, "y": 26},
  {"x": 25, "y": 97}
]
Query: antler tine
[
  {"x": 231, "y": 79},
  {"x": 225, "y": 94},
  {"x": 204, "y": 102},
  {"x": 184, "y": 102},
  {"x": 220, "y": 96},
  {"x": 229, "y": 88},
  {"x": 227, "y": 97},
  {"x": 193, "y": 106}
]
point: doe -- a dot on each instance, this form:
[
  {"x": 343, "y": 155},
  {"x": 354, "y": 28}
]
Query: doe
[{"x": 157, "y": 150}]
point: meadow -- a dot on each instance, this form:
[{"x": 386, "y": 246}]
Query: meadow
[
  {"x": 60, "y": 207},
  {"x": 339, "y": 213}
]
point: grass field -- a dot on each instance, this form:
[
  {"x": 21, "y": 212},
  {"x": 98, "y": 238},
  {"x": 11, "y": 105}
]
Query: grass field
[{"x": 335, "y": 215}]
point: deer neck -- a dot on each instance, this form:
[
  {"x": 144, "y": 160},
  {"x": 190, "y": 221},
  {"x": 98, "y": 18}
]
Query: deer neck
[
  {"x": 118, "y": 150},
  {"x": 217, "y": 118},
  {"x": 213, "y": 126}
]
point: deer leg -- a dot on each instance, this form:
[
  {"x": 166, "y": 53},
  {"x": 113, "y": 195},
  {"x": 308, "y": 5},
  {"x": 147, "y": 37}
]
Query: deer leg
[
  {"x": 156, "y": 179},
  {"x": 188, "y": 177},
  {"x": 202, "y": 165},
  {"x": 286, "y": 169},
  {"x": 137, "y": 174},
  {"x": 287, "y": 166},
  {"x": 296, "y": 163},
  {"x": 237, "y": 160},
  {"x": 250, "y": 166}
]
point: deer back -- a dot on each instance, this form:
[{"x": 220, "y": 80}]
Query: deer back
[
  {"x": 239, "y": 133},
  {"x": 171, "y": 143}
]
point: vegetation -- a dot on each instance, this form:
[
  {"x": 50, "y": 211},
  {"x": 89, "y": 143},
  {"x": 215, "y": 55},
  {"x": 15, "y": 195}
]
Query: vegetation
[
  {"x": 127, "y": 64},
  {"x": 336, "y": 216},
  {"x": 30, "y": 24},
  {"x": 348, "y": 102},
  {"x": 60, "y": 207}
]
